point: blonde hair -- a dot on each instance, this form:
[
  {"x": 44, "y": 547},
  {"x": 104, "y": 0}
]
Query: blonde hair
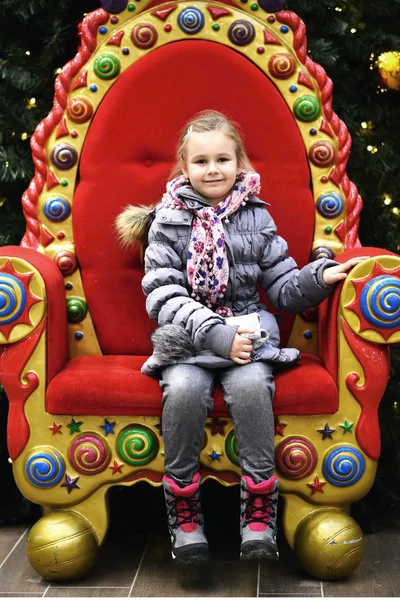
[{"x": 211, "y": 120}]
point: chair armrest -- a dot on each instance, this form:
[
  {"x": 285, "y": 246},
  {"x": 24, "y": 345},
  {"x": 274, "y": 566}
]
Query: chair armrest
[{"x": 33, "y": 287}]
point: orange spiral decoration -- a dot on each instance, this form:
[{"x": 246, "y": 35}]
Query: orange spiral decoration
[{"x": 79, "y": 110}]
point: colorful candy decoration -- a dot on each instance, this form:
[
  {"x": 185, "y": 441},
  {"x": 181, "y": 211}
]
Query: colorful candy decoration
[
  {"x": 44, "y": 467},
  {"x": 326, "y": 432},
  {"x": 66, "y": 262},
  {"x": 316, "y": 486},
  {"x": 116, "y": 467},
  {"x": 137, "y": 445},
  {"x": 347, "y": 427},
  {"x": 231, "y": 448},
  {"x": 70, "y": 483},
  {"x": 107, "y": 66},
  {"x": 296, "y": 457},
  {"x": 272, "y": 5},
  {"x": 114, "y": 6},
  {"x": 241, "y": 33},
  {"x": 108, "y": 427},
  {"x": 322, "y": 154},
  {"x": 282, "y": 65},
  {"x": 89, "y": 454},
  {"x": 77, "y": 309},
  {"x": 55, "y": 428},
  {"x": 57, "y": 209},
  {"x": 64, "y": 157},
  {"x": 330, "y": 205},
  {"x": 79, "y": 110},
  {"x": 343, "y": 466},
  {"x": 191, "y": 20},
  {"x": 323, "y": 252},
  {"x": 307, "y": 108},
  {"x": 144, "y": 35},
  {"x": 380, "y": 301},
  {"x": 74, "y": 426}
]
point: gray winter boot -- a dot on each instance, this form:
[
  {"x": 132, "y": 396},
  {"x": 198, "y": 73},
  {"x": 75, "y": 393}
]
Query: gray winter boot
[
  {"x": 185, "y": 521},
  {"x": 258, "y": 509}
]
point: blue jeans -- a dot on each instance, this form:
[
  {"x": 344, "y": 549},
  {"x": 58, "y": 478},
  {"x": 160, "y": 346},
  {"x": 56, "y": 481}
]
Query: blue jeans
[{"x": 187, "y": 401}]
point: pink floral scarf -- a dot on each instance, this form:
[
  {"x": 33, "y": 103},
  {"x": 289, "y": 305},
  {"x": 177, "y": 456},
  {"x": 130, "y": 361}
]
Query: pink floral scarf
[{"x": 207, "y": 265}]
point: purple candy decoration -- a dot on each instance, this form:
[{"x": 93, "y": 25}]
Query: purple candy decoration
[
  {"x": 272, "y": 5},
  {"x": 114, "y": 6}
]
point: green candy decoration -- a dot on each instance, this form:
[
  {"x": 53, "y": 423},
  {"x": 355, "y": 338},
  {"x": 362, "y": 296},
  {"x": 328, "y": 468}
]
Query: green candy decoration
[
  {"x": 77, "y": 310},
  {"x": 307, "y": 108},
  {"x": 137, "y": 445},
  {"x": 231, "y": 448},
  {"x": 106, "y": 66}
]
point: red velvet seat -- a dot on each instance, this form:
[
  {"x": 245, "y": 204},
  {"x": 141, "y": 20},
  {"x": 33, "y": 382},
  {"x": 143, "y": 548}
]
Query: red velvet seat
[{"x": 104, "y": 385}]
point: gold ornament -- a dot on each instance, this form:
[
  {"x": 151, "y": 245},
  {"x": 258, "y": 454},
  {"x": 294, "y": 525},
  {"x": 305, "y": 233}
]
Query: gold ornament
[
  {"x": 62, "y": 546},
  {"x": 329, "y": 543},
  {"x": 388, "y": 65}
]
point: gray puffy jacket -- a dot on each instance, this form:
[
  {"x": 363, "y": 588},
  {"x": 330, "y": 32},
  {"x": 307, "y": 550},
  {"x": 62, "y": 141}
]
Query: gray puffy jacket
[{"x": 256, "y": 256}]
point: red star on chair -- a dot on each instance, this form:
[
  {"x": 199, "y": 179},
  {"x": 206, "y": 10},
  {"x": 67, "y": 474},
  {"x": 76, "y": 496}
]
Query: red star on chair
[
  {"x": 316, "y": 486},
  {"x": 217, "y": 426},
  {"x": 279, "y": 427},
  {"x": 55, "y": 428},
  {"x": 116, "y": 468}
]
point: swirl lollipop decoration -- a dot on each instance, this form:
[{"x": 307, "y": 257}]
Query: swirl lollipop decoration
[
  {"x": 44, "y": 467},
  {"x": 79, "y": 110},
  {"x": 77, "y": 310},
  {"x": 323, "y": 252},
  {"x": 114, "y": 6},
  {"x": 64, "y": 157},
  {"x": 191, "y": 20},
  {"x": 12, "y": 298},
  {"x": 137, "y": 445},
  {"x": 89, "y": 454},
  {"x": 241, "y": 33},
  {"x": 282, "y": 65},
  {"x": 322, "y": 154},
  {"x": 107, "y": 66},
  {"x": 330, "y": 205},
  {"x": 343, "y": 466},
  {"x": 296, "y": 457},
  {"x": 231, "y": 448},
  {"x": 380, "y": 301},
  {"x": 67, "y": 263},
  {"x": 57, "y": 209},
  {"x": 307, "y": 108},
  {"x": 144, "y": 35}
]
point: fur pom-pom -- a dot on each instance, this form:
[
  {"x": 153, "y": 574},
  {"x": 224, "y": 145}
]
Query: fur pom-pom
[
  {"x": 172, "y": 342},
  {"x": 133, "y": 224}
]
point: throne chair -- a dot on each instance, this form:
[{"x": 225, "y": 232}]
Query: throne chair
[{"x": 74, "y": 332}]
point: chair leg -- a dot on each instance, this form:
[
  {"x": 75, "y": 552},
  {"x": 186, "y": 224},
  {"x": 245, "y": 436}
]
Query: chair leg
[
  {"x": 63, "y": 544},
  {"x": 326, "y": 540}
]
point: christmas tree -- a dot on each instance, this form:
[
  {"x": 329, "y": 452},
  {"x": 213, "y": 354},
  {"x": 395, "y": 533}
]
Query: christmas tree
[{"x": 357, "y": 42}]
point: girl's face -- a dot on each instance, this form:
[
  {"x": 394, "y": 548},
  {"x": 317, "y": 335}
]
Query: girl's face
[{"x": 211, "y": 164}]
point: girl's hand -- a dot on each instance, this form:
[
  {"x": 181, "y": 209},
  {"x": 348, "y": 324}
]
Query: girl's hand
[
  {"x": 241, "y": 347},
  {"x": 339, "y": 272}
]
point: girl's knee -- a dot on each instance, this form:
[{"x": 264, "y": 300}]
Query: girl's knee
[{"x": 187, "y": 393}]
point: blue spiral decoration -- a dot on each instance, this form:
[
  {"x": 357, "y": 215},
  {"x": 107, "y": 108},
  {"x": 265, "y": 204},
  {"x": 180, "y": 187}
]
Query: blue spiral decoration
[
  {"x": 330, "y": 205},
  {"x": 380, "y": 301},
  {"x": 12, "y": 298},
  {"x": 323, "y": 252},
  {"x": 45, "y": 469},
  {"x": 57, "y": 209},
  {"x": 191, "y": 20},
  {"x": 343, "y": 466}
]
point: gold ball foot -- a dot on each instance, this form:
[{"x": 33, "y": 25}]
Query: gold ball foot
[
  {"x": 62, "y": 546},
  {"x": 329, "y": 544}
]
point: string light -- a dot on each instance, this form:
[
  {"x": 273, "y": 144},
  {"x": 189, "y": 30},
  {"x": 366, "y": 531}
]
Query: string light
[
  {"x": 395, "y": 210},
  {"x": 57, "y": 71},
  {"x": 387, "y": 199},
  {"x": 352, "y": 30},
  {"x": 2, "y": 201},
  {"x": 27, "y": 53},
  {"x": 32, "y": 101},
  {"x": 24, "y": 136},
  {"x": 338, "y": 8},
  {"x": 7, "y": 164},
  {"x": 364, "y": 125},
  {"x": 372, "y": 149}
]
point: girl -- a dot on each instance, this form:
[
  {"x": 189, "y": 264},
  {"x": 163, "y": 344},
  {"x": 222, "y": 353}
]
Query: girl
[{"x": 210, "y": 242}]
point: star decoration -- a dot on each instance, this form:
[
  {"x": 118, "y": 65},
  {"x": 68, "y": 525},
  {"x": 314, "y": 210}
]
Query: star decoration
[
  {"x": 214, "y": 455},
  {"x": 55, "y": 428},
  {"x": 74, "y": 426},
  {"x": 108, "y": 427},
  {"x": 346, "y": 427},
  {"x": 316, "y": 486},
  {"x": 70, "y": 483},
  {"x": 279, "y": 427},
  {"x": 116, "y": 468},
  {"x": 326, "y": 432},
  {"x": 17, "y": 293},
  {"x": 217, "y": 426}
]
